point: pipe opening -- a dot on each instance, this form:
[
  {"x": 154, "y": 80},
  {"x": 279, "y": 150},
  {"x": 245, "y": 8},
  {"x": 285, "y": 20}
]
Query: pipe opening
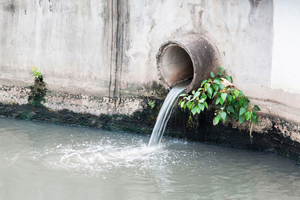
[
  {"x": 189, "y": 57},
  {"x": 177, "y": 65}
]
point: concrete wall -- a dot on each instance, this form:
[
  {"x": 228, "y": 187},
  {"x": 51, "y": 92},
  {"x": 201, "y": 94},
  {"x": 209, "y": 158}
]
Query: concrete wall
[
  {"x": 285, "y": 82},
  {"x": 69, "y": 42},
  {"x": 286, "y": 47},
  {"x": 107, "y": 48}
]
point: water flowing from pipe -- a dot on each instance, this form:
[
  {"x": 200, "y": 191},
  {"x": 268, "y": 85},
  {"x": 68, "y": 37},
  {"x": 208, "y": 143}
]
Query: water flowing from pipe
[{"x": 165, "y": 113}]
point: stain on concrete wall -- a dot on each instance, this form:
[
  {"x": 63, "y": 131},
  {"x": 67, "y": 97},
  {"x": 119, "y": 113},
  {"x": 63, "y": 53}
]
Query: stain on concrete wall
[
  {"x": 107, "y": 48},
  {"x": 121, "y": 44}
]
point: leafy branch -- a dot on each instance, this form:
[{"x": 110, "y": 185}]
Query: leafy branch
[{"x": 230, "y": 103}]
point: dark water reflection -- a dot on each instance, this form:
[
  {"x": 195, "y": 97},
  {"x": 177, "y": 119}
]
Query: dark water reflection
[{"x": 46, "y": 161}]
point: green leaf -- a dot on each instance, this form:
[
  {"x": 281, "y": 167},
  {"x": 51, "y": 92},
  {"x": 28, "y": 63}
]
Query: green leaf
[
  {"x": 236, "y": 93},
  {"x": 216, "y": 87},
  {"x": 246, "y": 103},
  {"x": 182, "y": 95},
  {"x": 223, "y": 115},
  {"x": 197, "y": 94},
  {"x": 194, "y": 110},
  {"x": 230, "y": 89},
  {"x": 216, "y": 120},
  {"x": 254, "y": 118},
  {"x": 223, "y": 96},
  {"x": 230, "y": 98},
  {"x": 203, "y": 96},
  {"x": 192, "y": 105},
  {"x": 203, "y": 82},
  {"x": 217, "y": 101},
  {"x": 256, "y": 108},
  {"x": 198, "y": 110},
  {"x": 200, "y": 89},
  {"x": 206, "y": 86},
  {"x": 227, "y": 78},
  {"x": 231, "y": 79},
  {"x": 236, "y": 115},
  {"x": 221, "y": 69},
  {"x": 230, "y": 109},
  {"x": 242, "y": 111},
  {"x": 248, "y": 115},
  {"x": 201, "y": 106},
  {"x": 224, "y": 120},
  {"x": 189, "y": 105},
  {"x": 182, "y": 104},
  {"x": 236, "y": 103},
  {"x": 201, "y": 100},
  {"x": 241, "y": 101},
  {"x": 241, "y": 93},
  {"x": 217, "y": 81},
  {"x": 215, "y": 93},
  {"x": 212, "y": 74},
  {"x": 242, "y": 118},
  {"x": 206, "y": 105},
  {"x": 209, "y": 92},
  {"x": 221, "y": 100},
  {"x": 219, "y": 74},
  {"x": 222, "y": 86}
]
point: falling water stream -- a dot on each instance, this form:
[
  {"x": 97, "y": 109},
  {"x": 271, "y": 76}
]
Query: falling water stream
[
  {"x": 48, "y": 161},
  {"x": 165, "y": 113}
]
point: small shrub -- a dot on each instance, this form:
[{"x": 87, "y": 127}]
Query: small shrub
[
  {"x": 230, "y": 103},
  {"x": 38, "y": 90}
]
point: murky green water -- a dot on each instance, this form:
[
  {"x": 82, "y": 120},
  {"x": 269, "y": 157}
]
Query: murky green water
[{"x": 46, "y": 161}]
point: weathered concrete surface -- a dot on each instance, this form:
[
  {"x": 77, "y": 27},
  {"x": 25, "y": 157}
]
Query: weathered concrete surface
[
  {"x": 69, "y": 42},
  {"x": 98, "y": 56},
  {"x": 83, "y": 103},
  {"x": 107, "y": 48}
]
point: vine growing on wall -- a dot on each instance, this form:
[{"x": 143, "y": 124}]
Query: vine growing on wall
[{"x": 229, "y": 102}]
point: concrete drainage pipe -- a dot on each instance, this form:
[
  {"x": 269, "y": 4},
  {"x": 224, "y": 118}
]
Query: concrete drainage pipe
[{"x": 188, "y": 57}]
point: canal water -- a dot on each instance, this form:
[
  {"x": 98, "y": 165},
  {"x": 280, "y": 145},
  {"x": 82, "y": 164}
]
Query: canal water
[{"x": 47, "y": 161}]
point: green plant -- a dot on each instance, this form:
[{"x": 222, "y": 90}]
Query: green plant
[
  {"x": 151, "y": 103},
  {"x": 229, "y": 102},
  {"x": 36, "y": 73},
  {"x": 38, "y": 90}
]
